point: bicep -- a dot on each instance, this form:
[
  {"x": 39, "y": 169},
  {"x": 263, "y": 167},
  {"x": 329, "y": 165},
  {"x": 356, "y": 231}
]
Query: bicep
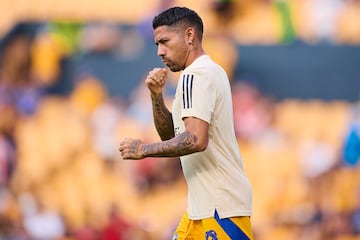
[{"x": 198, "y": 128}]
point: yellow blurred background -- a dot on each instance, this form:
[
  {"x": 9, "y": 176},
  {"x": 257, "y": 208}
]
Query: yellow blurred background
[{"x": 61, "y": 176}]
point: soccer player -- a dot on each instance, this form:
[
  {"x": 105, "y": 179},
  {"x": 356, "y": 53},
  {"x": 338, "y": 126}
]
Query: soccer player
[{"x": 199, "y": 130}]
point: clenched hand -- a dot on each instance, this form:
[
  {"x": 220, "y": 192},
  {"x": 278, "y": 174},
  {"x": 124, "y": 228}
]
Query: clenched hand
[
  {"x": 131, "y": 149},
  {"x": 156, "y": 80}
]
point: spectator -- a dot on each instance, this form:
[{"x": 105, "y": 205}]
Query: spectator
[
  {"x": 355, "y": 215},
  {"x": 116, "y": 228},
  {"x": 351, "y": 147},
  {"x": 43, "y": 223},
  {"x": 19, "y": 94},
  {"x": 251, "y": 115}
]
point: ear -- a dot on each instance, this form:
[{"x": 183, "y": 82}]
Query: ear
[{"x": 190, "y": 35}]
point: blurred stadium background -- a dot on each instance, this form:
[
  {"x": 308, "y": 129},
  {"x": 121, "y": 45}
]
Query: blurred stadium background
[{"x": 71, "y": 86}]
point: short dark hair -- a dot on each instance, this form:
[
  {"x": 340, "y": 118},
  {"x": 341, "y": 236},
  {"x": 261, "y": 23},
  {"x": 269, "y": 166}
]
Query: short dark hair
[{"x": 179, "y": 15}]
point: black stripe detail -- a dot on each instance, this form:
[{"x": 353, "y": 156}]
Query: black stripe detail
[
  {"x": 187, "y": 87},
  {"x": 187, "y": 91},
  {"x": 191, "y": 87},
  {"x": 183, "y": 90}
]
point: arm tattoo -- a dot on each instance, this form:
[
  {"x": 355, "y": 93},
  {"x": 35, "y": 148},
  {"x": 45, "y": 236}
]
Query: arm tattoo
[
  {"x": 183, "y": 144},
  {"x": 162, "y": 118}
]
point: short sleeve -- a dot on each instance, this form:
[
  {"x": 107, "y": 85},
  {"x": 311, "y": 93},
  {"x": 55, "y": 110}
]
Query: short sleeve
[{"x": 198, "y": 97}]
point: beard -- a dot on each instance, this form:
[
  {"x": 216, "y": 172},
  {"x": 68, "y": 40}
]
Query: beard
[
  {"x": 173, "y": 66},
  {"x": 180, "y": 58}
]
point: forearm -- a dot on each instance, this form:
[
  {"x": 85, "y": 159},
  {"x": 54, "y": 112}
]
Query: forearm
[
  {"x": 162, "y": 117},
  {"x": 183, "y": 144}
]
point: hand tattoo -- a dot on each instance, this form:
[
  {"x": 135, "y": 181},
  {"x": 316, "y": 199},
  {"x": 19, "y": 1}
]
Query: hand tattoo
[{"x": 131, "y": 149}]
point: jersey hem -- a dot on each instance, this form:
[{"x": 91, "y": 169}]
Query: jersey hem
[{"x": 221, "y": 215}]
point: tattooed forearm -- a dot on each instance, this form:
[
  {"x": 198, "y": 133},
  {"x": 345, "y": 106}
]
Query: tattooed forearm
[
  {"x": 162, "y": 118},
  {"x": 183, "y": 144}
]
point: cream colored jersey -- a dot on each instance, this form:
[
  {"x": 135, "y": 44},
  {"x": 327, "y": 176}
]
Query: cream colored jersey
[{"x": 215, "y": 177}]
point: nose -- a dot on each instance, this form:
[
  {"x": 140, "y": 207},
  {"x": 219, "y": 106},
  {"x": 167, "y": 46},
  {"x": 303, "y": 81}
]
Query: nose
[{"x": 160, "y": 51}]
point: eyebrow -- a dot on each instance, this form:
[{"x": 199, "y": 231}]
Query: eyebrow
[{"x": 161, "y": 40}]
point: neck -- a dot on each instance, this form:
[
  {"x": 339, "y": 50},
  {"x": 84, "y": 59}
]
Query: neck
[{"x": 194, "y": 53}]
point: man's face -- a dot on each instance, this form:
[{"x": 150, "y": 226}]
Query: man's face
[{"x": 172, "y": 47}]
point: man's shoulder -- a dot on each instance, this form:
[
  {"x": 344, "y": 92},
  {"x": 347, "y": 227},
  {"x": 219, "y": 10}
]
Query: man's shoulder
[
  {"x": 203, "y": 65},
  {"x": 202, "y": 61}
]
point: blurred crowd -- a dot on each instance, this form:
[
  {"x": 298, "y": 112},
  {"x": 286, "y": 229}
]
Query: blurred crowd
[
  {"x": 257, "y": 21},
  {"x": 61, "y": 176}
]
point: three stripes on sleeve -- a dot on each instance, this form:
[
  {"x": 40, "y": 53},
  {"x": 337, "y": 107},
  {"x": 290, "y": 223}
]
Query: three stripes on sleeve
[{"x": 187, "y": 90}]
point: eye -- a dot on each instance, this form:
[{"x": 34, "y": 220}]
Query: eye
[{"x": 163, "y": 41}]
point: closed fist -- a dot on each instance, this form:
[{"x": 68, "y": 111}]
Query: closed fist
[
  {"x": 131, "y": 149},
  {"x": 156, "y": 80}
]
